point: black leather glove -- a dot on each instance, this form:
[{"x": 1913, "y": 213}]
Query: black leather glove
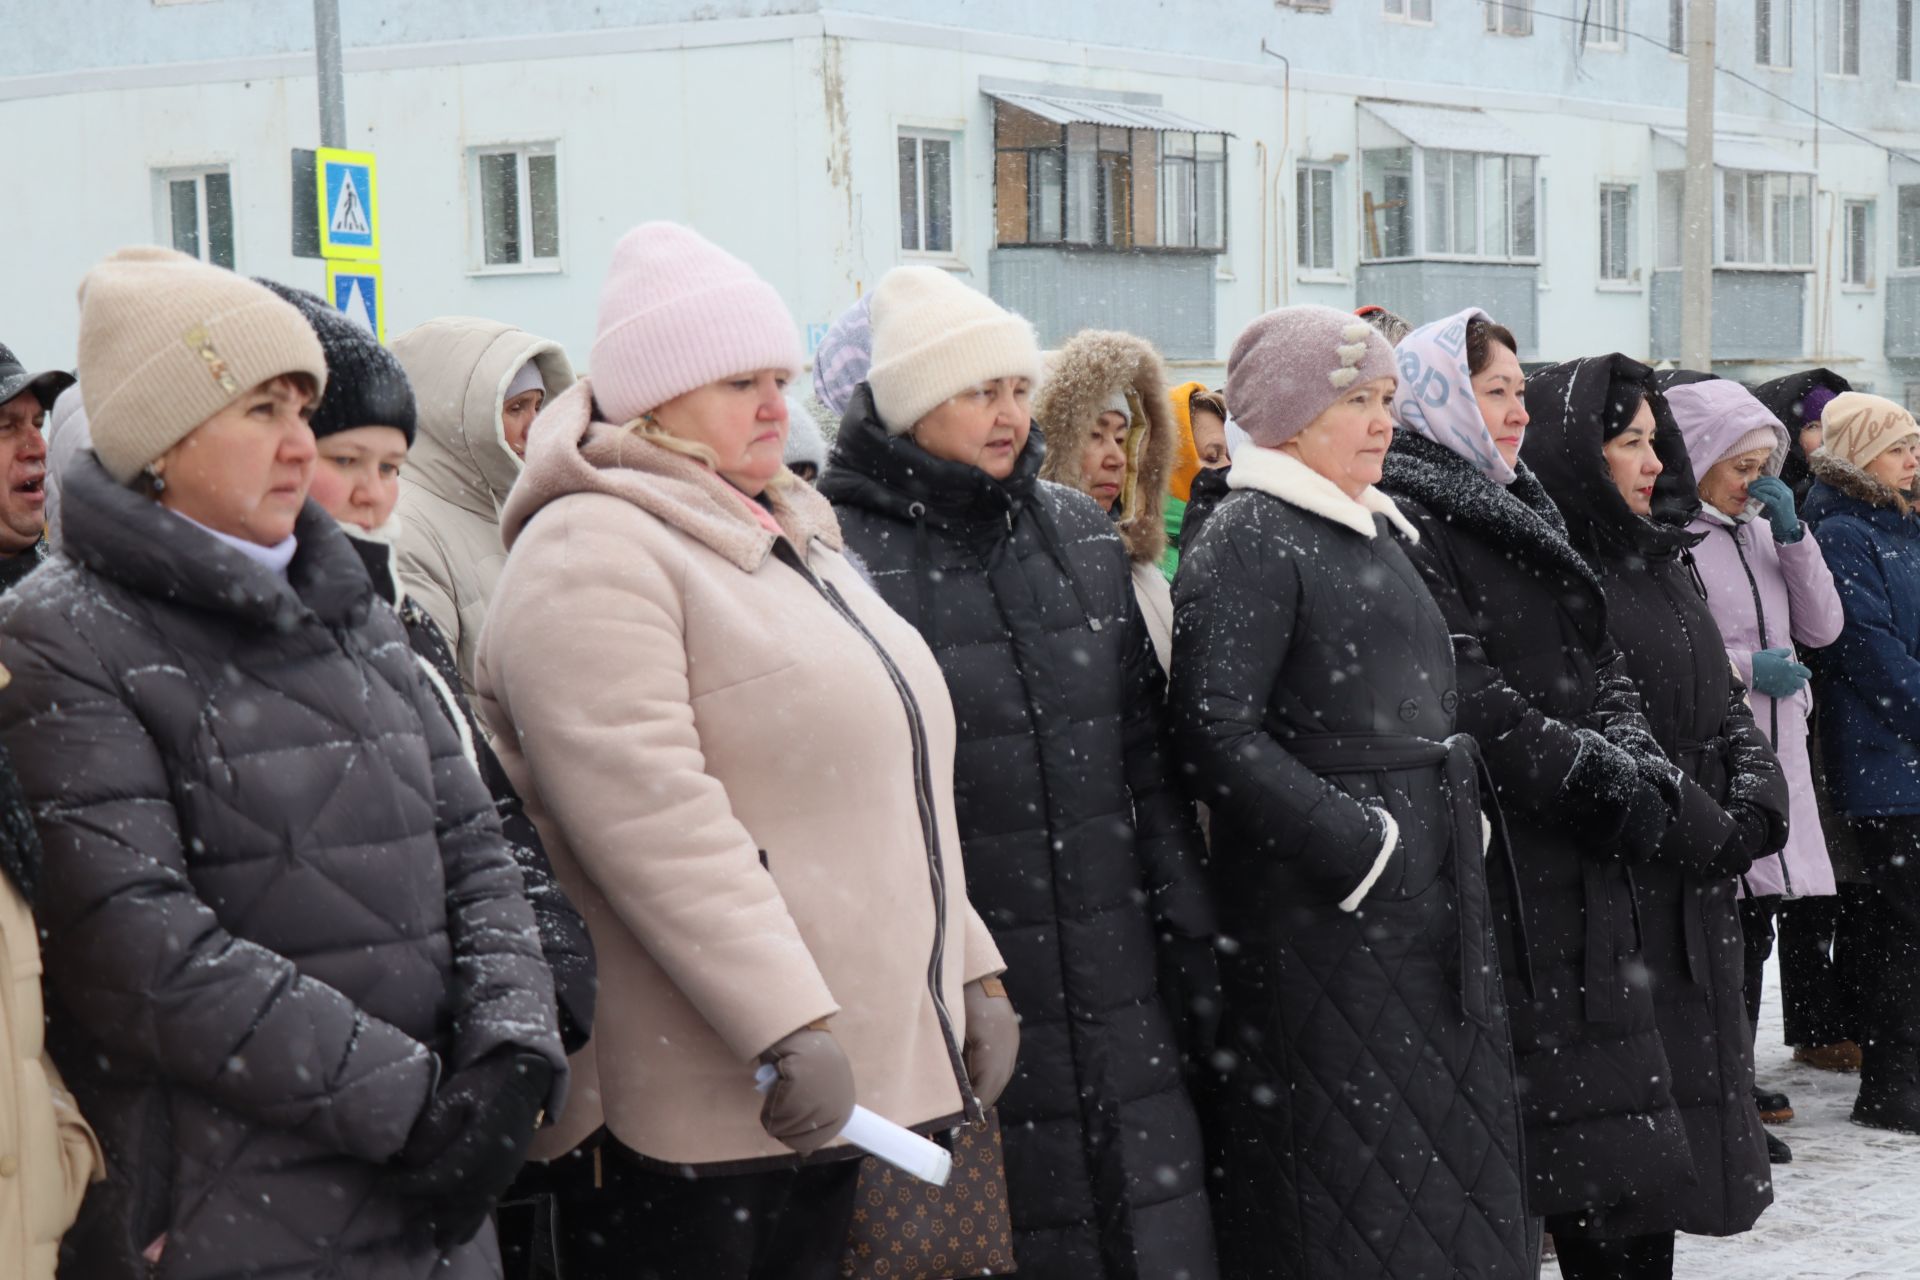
[
  {"x": 1190, "y": 989},
  {"x": 1736, "y": 857},
  {"x": 471, "y": 1140}
]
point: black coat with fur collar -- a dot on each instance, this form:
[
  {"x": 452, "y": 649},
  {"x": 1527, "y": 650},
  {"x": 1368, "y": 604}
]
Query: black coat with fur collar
[
  {"x": 1728, "y": 795},
  {"x": 1546, "y": 694},
  {"x": 1369, "y": 1126}
]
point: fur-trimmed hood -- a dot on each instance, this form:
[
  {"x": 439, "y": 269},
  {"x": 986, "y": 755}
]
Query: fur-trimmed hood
[
  {"x": 1081, "y": 377},
  {"x": 1837, "y": 481}
]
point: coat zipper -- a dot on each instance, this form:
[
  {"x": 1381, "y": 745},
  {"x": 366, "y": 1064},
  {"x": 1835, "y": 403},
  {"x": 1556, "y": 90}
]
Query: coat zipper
[
  {"x": 929, "y": 822},
  {"x": 1773, "y": 703}
]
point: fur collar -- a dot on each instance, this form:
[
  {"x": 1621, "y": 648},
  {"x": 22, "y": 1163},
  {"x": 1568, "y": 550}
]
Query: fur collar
[
  {"x": 1283, "y": 476},
  {"x": 1850, "y": 481}
]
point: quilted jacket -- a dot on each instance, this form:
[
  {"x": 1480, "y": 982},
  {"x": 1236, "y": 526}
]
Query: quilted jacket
[
  {"x": 1730, "y": 796},
  {"x": 276, "y": 900},
  {"x": 1539, "y": 683},
  {"x": 1370, "y": 1127},
  {"x": 1079, "y": 849}
]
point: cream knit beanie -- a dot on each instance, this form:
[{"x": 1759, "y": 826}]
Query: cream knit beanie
[
  {"x": 933, "y": 337},
  {"x": 167, "y": 341},
  {"x": 1861, "y": 427}
]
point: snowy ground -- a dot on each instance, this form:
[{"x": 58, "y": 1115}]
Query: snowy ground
[{"x": 1847, "y": 1208}]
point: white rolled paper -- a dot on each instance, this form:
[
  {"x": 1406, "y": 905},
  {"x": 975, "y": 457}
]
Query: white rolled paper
[{"x": 880, "y": 1137}]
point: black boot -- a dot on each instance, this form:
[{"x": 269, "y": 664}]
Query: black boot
[
  {"x": 1889, "y": 1088},
  {"x": 1775, "y": 1108},
  {"x": 1778, "y": 1152}
]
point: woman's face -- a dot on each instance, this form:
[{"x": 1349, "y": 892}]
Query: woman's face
[
  {"x": 1210, "y": 439},
  {"x": 1348, "y": 442},
  {"x": 357, "y": 480},
  {"x": 1632, "y": 462},
  {"x": 516, "y": 418},
  {"x": 1501, "y": 391},
  {"x": 743, "y": 419},
  {"x": 245, "y": 471},
  {"x": 1895, "y": 465},
  {"x": 984, "y": 426},
  {"x": 1103, "y": 462},
  {"x": 1812, "y": 435},
  {"x": 1724, "y": 487}
]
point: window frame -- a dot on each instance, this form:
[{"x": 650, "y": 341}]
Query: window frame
[
  {"x": 1906, "y": 239},
  {"x": 955, "y": 138},
  {"x": 1500, "y": 12},
  {"x": 1835, "y": 47},
  {"x": 1634, "y": 274},
  {"x": 1677, "y": 26},
  {"x": 1613, "y": 36},
  {"x": 164, "y": 176},
  {"x": 1402, "y": 11},
  {"x": 1869, "y": 278},
  {"x": 1418, "y": 212},
  {"x": 1905, "y": 72},
  {"x": 1768, "y": 231},
  {"x": 1306, "y": 223},
  {"x": 477, "y": 264},
  {"x": 1764, "y": 31}
]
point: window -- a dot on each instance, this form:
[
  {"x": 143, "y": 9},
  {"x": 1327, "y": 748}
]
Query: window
[
  {"x": 194, "y": 212},
  {"x": 1856, "y": 225},
  {"x": 1470, "y": 204},
  {"x": 1084, "y": 184},
  {"x": 1510, "y": 17},
  {"x": 1670, "y": 198},
  {"x": 926, "y": 191},
  {"x": 1840, "y": 39},
  {"x": 1313, "y": 216},
  {"x": 1603, "y": 24},
  {"x": 1677, "y": 26},
  {"x": 1907, "y": 229},
  {"x": 516, "y": 219},
  {"x": 1617, "y": 265},
  {"x": 1773, "y": 33},
  {"x": 1766, "y": 219},
  {"x": 1903, "y": 41},
  {"x": 1409, "y": 10}
]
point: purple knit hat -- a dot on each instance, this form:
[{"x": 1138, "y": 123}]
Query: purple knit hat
[
  {"x": 678, "y": 312},
  {"x": 1815, "y": 403},
  {"x": 1290, "y": 365}
]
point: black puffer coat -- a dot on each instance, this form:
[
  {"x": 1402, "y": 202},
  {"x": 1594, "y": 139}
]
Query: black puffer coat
[
  {"x": 276, "y": 900},
  {"x": 1078, "y": 846},
  {"x": 1545, "y": 692},
  {"x": 1370, "y": 1126},
  {"x": 1731, "y": 798}
]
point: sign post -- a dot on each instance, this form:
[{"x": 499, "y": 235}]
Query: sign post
[{"x": 347, "y": 193}]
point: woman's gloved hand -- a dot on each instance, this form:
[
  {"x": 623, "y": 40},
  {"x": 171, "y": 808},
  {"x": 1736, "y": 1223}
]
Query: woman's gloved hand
[
  {"x": 1776, "y": 502},
  {"x": 812, "y": 1094},
  {"x": 1777, "y": 675},
  {"x": 993, "y": 1038}
]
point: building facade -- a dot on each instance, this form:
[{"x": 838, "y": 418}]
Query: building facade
[{"x": 1168, "y": 168}]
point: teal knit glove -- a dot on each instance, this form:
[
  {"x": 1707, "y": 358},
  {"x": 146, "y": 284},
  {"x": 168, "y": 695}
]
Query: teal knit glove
[
  {"x": 1776, "y": 500},
  {"x": 1777, "y": 675}
]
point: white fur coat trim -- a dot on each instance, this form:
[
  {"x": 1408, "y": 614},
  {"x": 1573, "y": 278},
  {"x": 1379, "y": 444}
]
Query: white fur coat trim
[{"x": 1280, "y": 474}]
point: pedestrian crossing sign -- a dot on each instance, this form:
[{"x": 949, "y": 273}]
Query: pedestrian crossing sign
[
  {"x": 357, "y": 292},
  {"x": 349, "y": 205}
]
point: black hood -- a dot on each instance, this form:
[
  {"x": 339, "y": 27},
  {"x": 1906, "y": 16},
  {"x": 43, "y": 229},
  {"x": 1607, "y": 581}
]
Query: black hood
[
  {"x": 1783, "y": 396},
  {"x": 892, "y": 475},
  {"x": 1571, "y": 405}
]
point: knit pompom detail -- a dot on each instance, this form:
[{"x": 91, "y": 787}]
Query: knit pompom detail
[{"x": 1343, "y": 378}]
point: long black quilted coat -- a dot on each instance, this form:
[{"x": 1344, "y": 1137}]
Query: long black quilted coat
[
  {"x": 1539, "y": 678},
  {"x": 275, "y": 896},
  {"x": 1077, "y": 845},
  {"x": 1370, "y": 1127},
  {"x": 1731, "y": 788}
]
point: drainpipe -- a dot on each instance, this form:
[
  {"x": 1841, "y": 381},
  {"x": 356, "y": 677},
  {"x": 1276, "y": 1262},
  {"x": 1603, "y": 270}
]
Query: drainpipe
[{"x": 1283, "y": 285}]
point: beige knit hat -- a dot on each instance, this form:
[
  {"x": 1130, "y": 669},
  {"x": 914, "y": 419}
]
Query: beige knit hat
[
  {"x": 933, "y": 337},
  {"x": 1861, "y": 427},
  {"x": 167, "y": 341}
]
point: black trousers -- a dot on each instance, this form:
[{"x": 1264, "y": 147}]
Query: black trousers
[
  {"x": 644, "y": 1224},
  {"x": 1756, "y": 922},
  {"x": 1629, "y": 1258},
  {"x": 1891, "y": 1010},
  {"x": 1824, "y": 973}
]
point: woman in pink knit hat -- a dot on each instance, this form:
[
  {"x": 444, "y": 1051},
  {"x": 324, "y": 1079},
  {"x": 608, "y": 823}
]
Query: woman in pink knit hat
[{"x": 741, "y": 763}]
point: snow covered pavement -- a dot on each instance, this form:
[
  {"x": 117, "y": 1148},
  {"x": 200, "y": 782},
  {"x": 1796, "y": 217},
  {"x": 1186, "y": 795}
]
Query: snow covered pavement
[{"x": 1847, "y": 1208}]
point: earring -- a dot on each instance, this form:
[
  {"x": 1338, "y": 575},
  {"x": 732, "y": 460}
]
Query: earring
[{"x": 154, "y": 478}]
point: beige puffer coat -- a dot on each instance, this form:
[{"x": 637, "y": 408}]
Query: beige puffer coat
[
  {"x": 743, "y": 773},
  {"x": 460, "y": 468}
]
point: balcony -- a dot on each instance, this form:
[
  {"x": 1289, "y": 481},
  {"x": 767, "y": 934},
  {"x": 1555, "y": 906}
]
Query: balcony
[
  {"x": 1423, "y": 290},
  {"x": 1166, "y": 298},
  {"x": 1757, "y": 315},
  {"x": 1903, "y": 317}
]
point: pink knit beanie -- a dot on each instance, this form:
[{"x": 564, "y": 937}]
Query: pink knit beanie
[
  {"x": 678, "y": 312},
  {"x": 1289, "y": 365}
]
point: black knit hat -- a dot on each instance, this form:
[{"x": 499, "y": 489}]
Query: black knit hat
[
  {"x": 16, "y": 379},
  {"x": 366, "y": 387}
]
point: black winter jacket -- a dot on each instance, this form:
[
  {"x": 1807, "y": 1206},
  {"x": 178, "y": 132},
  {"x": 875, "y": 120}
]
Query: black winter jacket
[
  {"x": 1079, "y": 849},
  {"x": 1547, "y": 695},
  {"x": 1370, "y": 1126},
  {"x": 275, "y": 898},
  {"x": 563, "y": 934},
  {"x": 1730, "y": 796}
]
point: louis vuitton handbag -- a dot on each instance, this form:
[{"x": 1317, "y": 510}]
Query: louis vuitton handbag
[{"x": 906, "y": 1229}]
